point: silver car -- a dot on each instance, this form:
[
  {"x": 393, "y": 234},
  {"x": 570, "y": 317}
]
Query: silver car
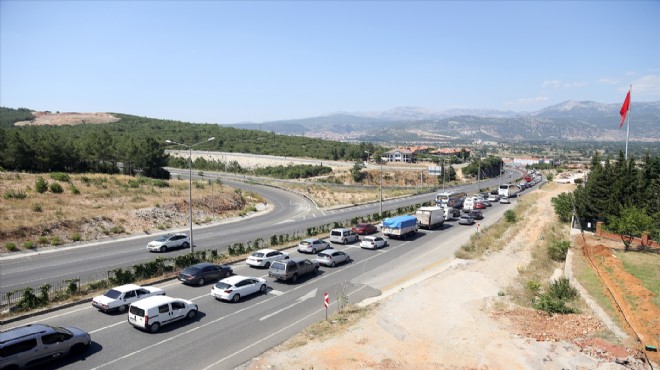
[
  {"x": 331, "y": 257},
  {"x": 313, "y": 245},
  {"x": 170, "y": 241}
]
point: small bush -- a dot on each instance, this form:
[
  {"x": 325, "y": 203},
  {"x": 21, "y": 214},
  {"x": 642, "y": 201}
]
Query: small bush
[
  {"x": 552, "y": 305},
  {"x": 41, "y": 185},
  {"x": 36, "y": 207},
  {"x": 15, "y": 195},
  {"x": 558, "y": 249},
  {"x": 76, "y": 237},
  {"x": 11, "y": 247},
  {"x": 56, "y": 188},
  {"x": 75, "y": 190},
  {"x": 60, "y": 176},
  {"x": 56, "y": 240},
  {"x": 28, "y": 244},
  {"x": 510, "y": 216},
  {"x": 562, "y": 289},
  {"x": 117, "y": 229},
  {"x": 533, "y": 286},
  {"x": 43, "y": 240}
]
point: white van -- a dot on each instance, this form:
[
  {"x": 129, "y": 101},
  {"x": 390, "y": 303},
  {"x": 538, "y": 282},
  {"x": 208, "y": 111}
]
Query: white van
[
  {"x": 343, "y": 236},
  {"x": 153, "y": 312}
]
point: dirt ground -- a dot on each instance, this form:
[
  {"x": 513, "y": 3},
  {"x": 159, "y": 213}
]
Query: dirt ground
[{"x": 458, "y": 319}]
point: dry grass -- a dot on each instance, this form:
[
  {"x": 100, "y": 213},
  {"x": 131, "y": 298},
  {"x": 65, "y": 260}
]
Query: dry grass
[{"x": 97, "y": 205}]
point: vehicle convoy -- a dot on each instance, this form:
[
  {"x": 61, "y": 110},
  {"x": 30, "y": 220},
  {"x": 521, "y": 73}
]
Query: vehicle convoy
[
  {"x": 399, "y": 226},
  {"x": 292, "y": 269},
  {"x": 430, "y": 217},
  {"x": 151, "y": 313},
  {"x": 32, "y": 345},
  {"x": 119, "y": 298}
]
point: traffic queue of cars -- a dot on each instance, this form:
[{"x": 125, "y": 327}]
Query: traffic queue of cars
[{"x": 148, "y": 308}]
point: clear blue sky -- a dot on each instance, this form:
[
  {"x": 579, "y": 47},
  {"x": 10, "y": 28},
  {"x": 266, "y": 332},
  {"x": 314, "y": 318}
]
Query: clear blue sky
[{"x": 227, "y": 62}]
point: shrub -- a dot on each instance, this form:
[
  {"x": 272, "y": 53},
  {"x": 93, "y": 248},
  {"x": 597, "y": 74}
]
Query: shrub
[
  {"x": 43, "y": 240},
  {"x": 41, "y": 185},
  {"x": 533, "y": 286},
  {"x": 76, "y": 237},
  {"x": 56, "y": 240},
  {"x": 11, "y": 247},
  {"x": 562, "y": 289},
  {"x": 117, "y": 229},
  {"x": 60, "y": 176},
  {"x": 552, "y": 305},
  {"x": 510, "y": 216},
  {"x": 56, "y": 188},
  {"x": 15, "y": 195},
  {"x": 75, "y": 190},
  {"x": 557, "y": 250},
  {"x": 28, "y": 244}
]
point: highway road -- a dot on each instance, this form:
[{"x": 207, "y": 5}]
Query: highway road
[
  {"x": 225, "y": 335},
  {"x": 291, "y": 214}
]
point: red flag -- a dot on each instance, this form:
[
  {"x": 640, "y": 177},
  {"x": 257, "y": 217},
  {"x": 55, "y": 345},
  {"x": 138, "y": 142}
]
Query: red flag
[{"x": 624, "y": 108}]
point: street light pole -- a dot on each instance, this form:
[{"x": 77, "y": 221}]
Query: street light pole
[{"x": 190, "y": 182}]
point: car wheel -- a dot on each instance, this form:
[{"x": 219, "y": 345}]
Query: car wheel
[
  {"x": 294, "y": 278},
  {"x": 333, "y": 264},
  {"x": 236, "y": 298},
  {"x": 263, "y": 289},
  {"x": 201, "y": 281},
  {"x": 154, "y": 327},
  {"x": 185, "y": 245},
  {"x": 316, "y": 270},
  {"x": 163, "y": 249},
  {"x": 314, "y": 251},
  {"x": 344, "y": 241},
  {"x": 122, "y": 308},
  {"x": 267, "y": 265},
  {"x": 191, "y": 314}
]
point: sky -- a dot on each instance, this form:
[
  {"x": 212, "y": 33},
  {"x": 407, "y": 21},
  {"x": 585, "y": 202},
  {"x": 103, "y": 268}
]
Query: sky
[{"x": 258, "y": 61}]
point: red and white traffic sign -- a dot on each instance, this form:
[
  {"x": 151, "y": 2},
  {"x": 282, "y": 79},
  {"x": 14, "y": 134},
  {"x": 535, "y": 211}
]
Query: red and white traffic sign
[{"x": 326, "y": 298}]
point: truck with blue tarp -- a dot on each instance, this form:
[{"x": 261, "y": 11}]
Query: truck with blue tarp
[{"x": 399, "y": 226}]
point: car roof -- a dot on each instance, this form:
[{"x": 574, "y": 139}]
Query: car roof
[
  {"x": 126, "y": 287},
  {"x": 370, "y": 237},
  {"x": 236, "y": 278},
  {"x": 203, "y": 264},
  {"x": 327, "y": 251},
  {"x": 153, "y": 300},
  {"x": 265, "y": 250},
  {"x": 310, "y": 240},
  {"x": 23, "y": 331}
]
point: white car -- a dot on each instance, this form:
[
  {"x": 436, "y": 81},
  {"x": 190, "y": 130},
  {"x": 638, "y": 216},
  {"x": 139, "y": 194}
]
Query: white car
[
  {"x": 169, "y": 241},
  {"x": 331, "y": 257},
  {"x": 373, "y": 242},
  {"x": 264, "y": 257},
  {"x": 235, "y": 287},
  {"x": 505, "y": 200},
  {"x": 119, "y": 298},
  {"x": 312, "y": 245}
]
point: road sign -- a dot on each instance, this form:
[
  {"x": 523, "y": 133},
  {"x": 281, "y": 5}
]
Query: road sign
[{"x": 326, "y": 299}]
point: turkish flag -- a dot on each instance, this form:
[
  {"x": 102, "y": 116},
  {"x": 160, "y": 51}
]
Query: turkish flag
[{"x": 624, "y": 108}]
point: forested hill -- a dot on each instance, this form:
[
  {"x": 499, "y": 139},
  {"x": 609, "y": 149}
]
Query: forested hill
[{"x": 227, "y": 139}]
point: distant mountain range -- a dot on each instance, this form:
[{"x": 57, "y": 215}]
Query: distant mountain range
[{"x": 567, "y": 121}]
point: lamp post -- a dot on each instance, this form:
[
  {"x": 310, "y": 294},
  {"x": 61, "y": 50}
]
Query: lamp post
[
  {"x": 190, "y": 182},
  {"x": 381, "y": 183}
]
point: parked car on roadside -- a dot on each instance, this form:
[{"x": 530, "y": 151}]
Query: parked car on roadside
[
  {"x": 35, "y": 345},
  {"x": 151, "y": 313},
  {"x": 292, "y": 269},
  {"x": 312, "y": 245},
  {"x": 170, "y": 241},
  {"x": 343, "y": 236},
  {"x": 235, "y": 287},
  {"x": 202, "y": 272},
  {"x": 365, "y": 229},
  {"x": 466, "y": 220},
  {"x": 119, "y": 298},
  {"x": 373, "y": 242},
  {"x": 264, "y": 257},
  {"x": 332, "y": 257}
]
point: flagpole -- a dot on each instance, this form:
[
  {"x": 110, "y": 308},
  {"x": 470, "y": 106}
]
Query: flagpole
[{"x": 628, "y": 128}]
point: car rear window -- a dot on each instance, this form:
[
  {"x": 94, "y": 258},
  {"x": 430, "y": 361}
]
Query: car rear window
[
  {"x": 305, "y": 242},
  {"x": 257, "y": 254},
  {"x": 323, "y": 255},
  {"x": 114, "y": 294},
  {"x": 222, "y": 285},
  {"x": 137, "y": 311},
  {"x": 277, "y": 266},
  {"x": 191, "y": 270},
  {"x": 336, "y": 233}
]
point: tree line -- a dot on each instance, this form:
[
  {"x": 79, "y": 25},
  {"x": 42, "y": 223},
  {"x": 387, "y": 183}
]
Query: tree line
[
  {"x": 622, "y": 193},
  {"x": 137, "y": 144}
]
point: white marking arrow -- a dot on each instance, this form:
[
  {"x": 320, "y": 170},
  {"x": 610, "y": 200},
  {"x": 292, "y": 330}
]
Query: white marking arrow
[{"x": 307, "y": 296}]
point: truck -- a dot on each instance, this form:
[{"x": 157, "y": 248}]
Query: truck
[
  {"x": 399, "y": 226},
  {"x": 430, "y": 217}
]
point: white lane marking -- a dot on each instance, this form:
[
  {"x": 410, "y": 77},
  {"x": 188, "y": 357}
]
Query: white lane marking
[
  {"x": 307, "y": 296},
  {"x": 106, "y": 327},
  {"x": 275, "y": 292},
  {"x": 279, "y": 331}
]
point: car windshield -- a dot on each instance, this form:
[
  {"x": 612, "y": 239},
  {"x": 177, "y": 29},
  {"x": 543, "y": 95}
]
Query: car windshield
[
  {"x": 257, "y": 254},
  {"x": 222, "y": 285},
  {"x": 114, "y": 294},
  {"x": 162, "y": 238},
  {"x": 62, "y": 330}
]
